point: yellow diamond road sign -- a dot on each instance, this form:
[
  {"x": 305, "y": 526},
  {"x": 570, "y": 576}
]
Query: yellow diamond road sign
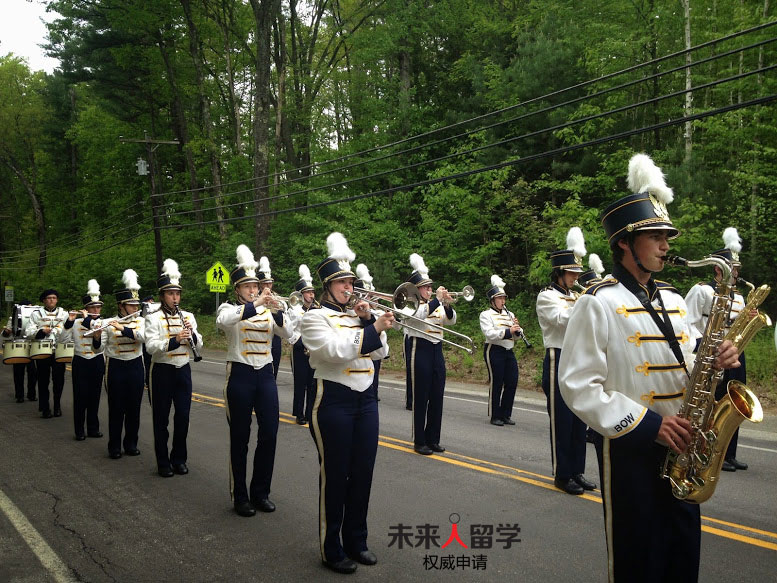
[{"x": 217, "y": 277}]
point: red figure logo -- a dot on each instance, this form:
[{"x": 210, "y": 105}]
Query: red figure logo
[{"x": 454, "y": 518}]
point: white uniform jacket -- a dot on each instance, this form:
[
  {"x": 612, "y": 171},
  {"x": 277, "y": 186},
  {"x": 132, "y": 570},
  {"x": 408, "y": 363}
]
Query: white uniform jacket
[
  {"x": 161, "y": 329},
  {"x": 83, "y": 346},
  {"x": 250, "y": 331},
  {"x": 127, "y": 344},
  {"x": 341, "y": 346},
  {"x": 554, "y": 307},
  {"x": 295, "y": 314},
  {"x": 434, "y": 313},
  {"x": 41, "y": 318},
  {"x": 699, "y": 302},
  {"x": 496, "y": 327},
  {"x": 617, "y": 371}
]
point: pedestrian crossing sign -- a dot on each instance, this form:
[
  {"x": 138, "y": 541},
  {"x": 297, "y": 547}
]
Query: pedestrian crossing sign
[{"x": 217, "y": 278}]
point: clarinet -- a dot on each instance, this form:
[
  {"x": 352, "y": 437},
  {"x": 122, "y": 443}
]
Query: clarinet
[
  {"x": 192, "y": 345},
  {"x": 521, "y": 335}
]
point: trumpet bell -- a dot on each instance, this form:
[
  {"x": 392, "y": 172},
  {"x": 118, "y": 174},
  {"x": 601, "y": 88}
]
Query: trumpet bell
[{"x": 468, "y": 293}]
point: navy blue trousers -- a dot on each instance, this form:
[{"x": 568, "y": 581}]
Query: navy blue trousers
[
  {"x": 48, "y": 368},
  {"x": 275, "y": 351},
  {"x": 170, "y": 386},
  {"x": 345, "y": 429},
  {"x": 87, "y": 376},
  {"x": 18, "y": 379},
  {"x": 304, "y": 383},
  {"x": 732, "y": 374},
  {"x": 503, "y": 372},
  {"x": 426, "y": 366},
  {"x": 408, "y": 374},
  {"x": 567, "y": 432},
  {"x": 250, "y": 390},
  {"x": 652, "y": 535},
  {"x": 124, "y": 384},
  {"x": 375, "y": 377}
]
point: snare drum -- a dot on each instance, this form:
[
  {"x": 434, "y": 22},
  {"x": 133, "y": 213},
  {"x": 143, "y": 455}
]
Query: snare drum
[
  {"x": 64, "y": 352},
  {"x": 40, "y": 349},
  {"x": 16, "y": 352}
]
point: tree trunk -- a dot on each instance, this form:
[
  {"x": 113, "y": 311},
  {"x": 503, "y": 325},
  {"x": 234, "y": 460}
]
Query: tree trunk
[
  {"x": 37, "y": 208},
  {"x": 688, "y": 109},
  {"x": 265, "y": 12}
]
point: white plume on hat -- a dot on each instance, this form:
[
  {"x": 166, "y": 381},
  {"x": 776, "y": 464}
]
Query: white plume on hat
[
  {"x": 130, "y": 278},
  {"x": 576, "y": 242},
  {"x": 363, "y": 273},
  {"x": 93, "y": 290},
  {"x": 417, "y": 263},
  {"x": 339, "y": 250},
  {"x": 596, "y": 265},
  {"x": 644, "y": 175},
  {"x": 245, "y": 260},
  {"x": 264, "y": 266},
  {"x": 304, "y": 274},
  {"x": 170, "y": 269},
  {"x": 731, "y": 240},
  {"x": 496, "y": 281}
]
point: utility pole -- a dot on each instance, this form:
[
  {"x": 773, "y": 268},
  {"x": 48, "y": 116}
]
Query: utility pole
[{"x": 151, "y": 146}]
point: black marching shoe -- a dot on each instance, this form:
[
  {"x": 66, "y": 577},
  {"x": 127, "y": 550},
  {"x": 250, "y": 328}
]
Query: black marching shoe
[
  {"x": 728, "y": 466},
  {"x": 33, "y": 398},
  {"x": 586, "y": 484},
  {"x": 57, "y": 412},
  {"x": 95, "y": 434},
  {"x": 423, "y": 449},
  {"x": 180, "y": 469},
  {"x": 80, "y": 437},
  {"x": 366, "y": 557},
  {"x": 114, "y": 455},
  {"x": 132, "y": 451},
  {"x": 508, "y": 421},
  {"x": 436, "y": 447},
  {"x": 736, "y": 463},
  {"x": 265, "y": 505},
  {"x": 20, "y": 399},
  {"x": 409, "y": 407},
  {"x": 346, "y": 566},
  {"x": 301, "y": 420},
  {"x": 497, "y": 422},
  {"x": 165, "y": 471},
  {"x": 570, "y": 486},
  {"x": 245, "y": 508},
  {"x": 46, "y": 415}
]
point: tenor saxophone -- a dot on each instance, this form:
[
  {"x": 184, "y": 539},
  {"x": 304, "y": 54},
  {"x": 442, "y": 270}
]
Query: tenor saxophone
[{"x": 694, "y": 473}]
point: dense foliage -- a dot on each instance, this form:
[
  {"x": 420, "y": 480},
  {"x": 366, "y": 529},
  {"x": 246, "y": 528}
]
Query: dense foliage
[{"x": 475, "y": 132}]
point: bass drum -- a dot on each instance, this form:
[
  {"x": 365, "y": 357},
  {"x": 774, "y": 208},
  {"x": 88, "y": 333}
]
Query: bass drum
[
  {"x": 64, "y": 352},
  {"x": 40, "y": 349},
  {"x": 16, "y": 352}
]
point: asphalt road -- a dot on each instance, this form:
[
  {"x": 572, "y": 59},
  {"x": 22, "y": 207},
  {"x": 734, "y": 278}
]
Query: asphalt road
[{"x": 69, "y": 513}]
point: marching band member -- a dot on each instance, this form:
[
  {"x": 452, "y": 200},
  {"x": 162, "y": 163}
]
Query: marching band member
[
  {"x": 593, "y": 274},
  {"x": 249, "y": 327},
  {"x": 47, "y": 323},
  {"x": 171, "y": 334},
  {"x": 425, "y": 363},
  {"x": 147, "y": 306},
  {"x": 304, "y": 384},
  {"x": 343, "y": 341},
  {"x": 616, "y": 331},
  {"x": 699, "y": 301},
  {"x": 266, "y": 282},
  {"x": 125, "y": 371},
  {"x": 88, "y": 365},
  {"x": 364, "y": 281},
  {"x": 20, "y": 367},
  {"x": 554, "y": 307},
  {"x": 499, "y": 325}
]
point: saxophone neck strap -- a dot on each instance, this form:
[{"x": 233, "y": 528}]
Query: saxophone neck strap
[{"x": 663, "y": 323}]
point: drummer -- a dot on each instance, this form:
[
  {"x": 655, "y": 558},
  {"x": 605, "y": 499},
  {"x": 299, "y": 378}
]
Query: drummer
[
  {"x": 20, "y": 367},
  {"x": 47, "y": 323},
  {"x": 88, "y": 365}
]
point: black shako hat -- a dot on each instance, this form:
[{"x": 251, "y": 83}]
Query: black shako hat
[
  {"x": 571, "y": 258},
  {"x": 732, "y": 246},
  {"x": 420, "y": 275},
  {"x": 337, "y": 265},
  {"x": 245, "y": 271},
  {"x": 497, "y": 288},
  {"x": 646, "y": 208},
  {"x": 129, "y": 293},
  {"x": 170, "y": 277},
  {"x": 305, "y": 282},
  {"x": 92, "y": 297}
]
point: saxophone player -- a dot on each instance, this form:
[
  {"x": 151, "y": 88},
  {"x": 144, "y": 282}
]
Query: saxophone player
[{"x": 623, "y": 371}]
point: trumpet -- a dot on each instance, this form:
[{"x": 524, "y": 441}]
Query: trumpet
[
  {"x": 405, "y": 301},
  {"x": 468, "y": 293},
  {"x": 280, "y": 302}
]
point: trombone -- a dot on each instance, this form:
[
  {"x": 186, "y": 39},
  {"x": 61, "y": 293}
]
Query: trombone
[{"x": 405, "y": 301}]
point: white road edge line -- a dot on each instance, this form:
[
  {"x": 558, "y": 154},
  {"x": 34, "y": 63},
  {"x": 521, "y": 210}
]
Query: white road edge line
[{"x": 46, "y": 555}]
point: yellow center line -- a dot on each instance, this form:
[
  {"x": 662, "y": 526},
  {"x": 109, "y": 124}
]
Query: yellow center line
[{"x": 496, "y": 469}]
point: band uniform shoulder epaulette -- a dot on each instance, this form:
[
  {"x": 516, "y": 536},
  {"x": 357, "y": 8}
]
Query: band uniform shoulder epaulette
[
  {"x": 597, "y": 286},
  {"x": 662, "y": 285}
]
